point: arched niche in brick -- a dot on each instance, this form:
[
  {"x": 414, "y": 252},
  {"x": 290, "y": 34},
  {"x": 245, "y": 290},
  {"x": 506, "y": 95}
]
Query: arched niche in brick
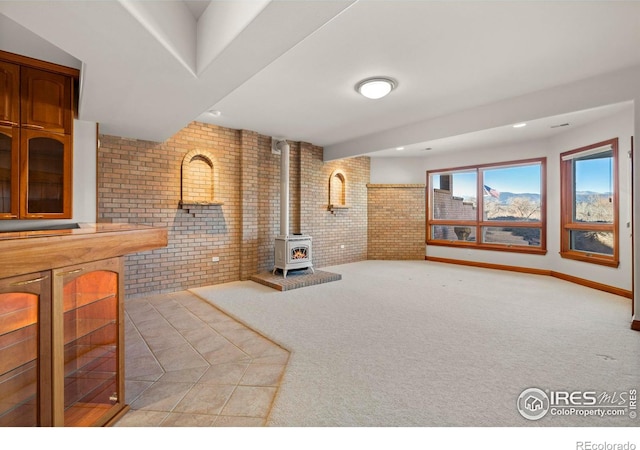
[
  {"x": 199, "y": 179},
  {"x": 338, "y": 190}
]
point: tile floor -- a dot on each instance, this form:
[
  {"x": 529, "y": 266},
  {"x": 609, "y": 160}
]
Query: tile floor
[{"x": 189, "y": 364}]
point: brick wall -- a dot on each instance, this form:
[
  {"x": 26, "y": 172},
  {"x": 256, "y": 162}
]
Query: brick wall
[
  {"x": 447, "y": 206},
  {"x": 140, "y": 182},
  {"x": 396, "y": 228},
  {"x": 340, "y": 236}
]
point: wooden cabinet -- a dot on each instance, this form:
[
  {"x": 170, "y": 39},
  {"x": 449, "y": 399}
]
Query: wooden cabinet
[
  {"x": 62, "y": 324},
  {"x": 25, "y": 348},
  {"x": 45, "y": 175},
  {"x": 36, "y": 121},
  {"x": 61, "y": 346},
  {"x": 45, "y": 101},
  {"x": 9, "y": 94},
  {"x": 88, "y": 337},
  {"x": 9, "y": 172}
]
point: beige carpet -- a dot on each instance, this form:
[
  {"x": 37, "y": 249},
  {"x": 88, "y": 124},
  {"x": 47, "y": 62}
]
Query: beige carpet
[{"x": 418, "y": 343}]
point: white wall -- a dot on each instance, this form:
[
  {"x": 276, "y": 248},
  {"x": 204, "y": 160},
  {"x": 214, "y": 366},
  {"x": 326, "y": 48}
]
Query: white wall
[
  {"x": 84, "y": 181},
  {"x": 413, "y": 170},
  {"x": 399, "y": 170},
  {"x": 620, "y": 126}
]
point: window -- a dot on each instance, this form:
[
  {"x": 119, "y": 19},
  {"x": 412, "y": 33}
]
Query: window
[
  {"x": 589, "y": 203},
  {"x": 494, "y": 206}
]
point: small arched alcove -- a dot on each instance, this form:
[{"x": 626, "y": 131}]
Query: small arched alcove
[
  {"x": 199, "y": 179},
  {"x": 337, "y": 190}
]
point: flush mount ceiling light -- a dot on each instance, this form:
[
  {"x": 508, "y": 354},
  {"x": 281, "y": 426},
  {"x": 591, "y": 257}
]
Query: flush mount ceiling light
[{"x": 376, "y": 87}]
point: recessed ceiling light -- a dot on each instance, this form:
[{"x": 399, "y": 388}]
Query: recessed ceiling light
[
  {"x": 214, "y": 113},
  {"x": 376, "y": 87},
  {"x": 399, "y": 149},
  {"x": 520, "y": 125}
]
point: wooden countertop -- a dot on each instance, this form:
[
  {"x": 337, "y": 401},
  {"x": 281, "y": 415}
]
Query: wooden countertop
[{"x": 24, "y": 252}]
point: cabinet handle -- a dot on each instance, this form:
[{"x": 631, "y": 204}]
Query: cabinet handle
[
  {"x": 8, "y": 123},
  {"x": 9, "y": 216},
  {"x": 35, "y": 127},
  {"x": 34, "y": 216},
  {"x": 62, "y": 274},
  {"x": 35, "y": 280}
]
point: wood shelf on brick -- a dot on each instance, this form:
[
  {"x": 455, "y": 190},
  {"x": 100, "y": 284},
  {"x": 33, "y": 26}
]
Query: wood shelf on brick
[{"x": 188, "y": 204}]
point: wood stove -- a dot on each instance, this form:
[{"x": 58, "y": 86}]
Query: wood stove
[{"x": 292, "y": 251}]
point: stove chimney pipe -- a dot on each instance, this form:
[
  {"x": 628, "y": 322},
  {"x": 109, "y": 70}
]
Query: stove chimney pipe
[{"x": 283, "y": 147}]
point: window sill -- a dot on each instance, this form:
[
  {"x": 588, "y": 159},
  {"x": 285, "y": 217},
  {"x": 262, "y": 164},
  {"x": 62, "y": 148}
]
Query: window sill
[
  {"x": 499, "y": 248},
  {"x": 590, "y": 258}
]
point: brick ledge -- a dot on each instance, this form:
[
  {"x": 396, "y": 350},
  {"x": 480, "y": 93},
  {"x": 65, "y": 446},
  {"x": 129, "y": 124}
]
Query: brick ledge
[{"x": 395, "y": 186}]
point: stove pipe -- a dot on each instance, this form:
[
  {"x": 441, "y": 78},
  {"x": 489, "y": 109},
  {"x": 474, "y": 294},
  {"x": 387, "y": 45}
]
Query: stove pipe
[{"x": 283, "y": 147}]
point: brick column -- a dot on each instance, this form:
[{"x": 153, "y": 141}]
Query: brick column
[
  {"x": 249, "y": 186},
  {"x": 396, "y": 221}
]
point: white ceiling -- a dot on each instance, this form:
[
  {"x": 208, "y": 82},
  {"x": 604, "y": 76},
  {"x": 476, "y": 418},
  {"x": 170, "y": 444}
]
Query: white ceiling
[{"x": 288, "y": 68}]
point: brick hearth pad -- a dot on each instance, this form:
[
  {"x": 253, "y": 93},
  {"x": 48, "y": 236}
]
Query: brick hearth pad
[{"x": 295, "y": 279}]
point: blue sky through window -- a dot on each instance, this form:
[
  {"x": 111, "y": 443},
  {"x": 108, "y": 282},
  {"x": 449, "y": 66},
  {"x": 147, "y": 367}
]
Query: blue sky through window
[{"x": 594, "y": 175}]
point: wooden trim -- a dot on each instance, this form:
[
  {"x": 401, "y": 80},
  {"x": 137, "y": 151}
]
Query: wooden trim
[
  {"x": 588, "y": 226},
  {"x": 495, "y": 247},
  {"x": 635, "y": 325},
  {"x": 111, "y": 422},
  {"x": 501, "y": 224},
  {"x": 14, "y": 134},
  {"x": 453, "y": 223},
  {"x": 570, "y": 278},
  {"x": 97, "y": 186},
  {"x": 566, "y": 210},
  {"x": 593, "y": 258},
  {"x": 120, "y": 373},
  {"x": 479, "y": 221},
  {"x": 515, "y": 163},
  {"x": 633, "y": 248},
  {"x": 593, "y": 284},
  {"x": 57, "y": 351},
  {"x": 38, "y": 64},
  {"x": 483, "y": 265}
]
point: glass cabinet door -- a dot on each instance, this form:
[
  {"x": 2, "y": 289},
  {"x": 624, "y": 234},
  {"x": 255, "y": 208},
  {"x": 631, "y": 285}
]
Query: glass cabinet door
[
  {"x": 24, "y": 345},
  {"x": 9, "y": 170},
  {"x": 90, "y": 337},
  {"x": 46, "y": 175}
]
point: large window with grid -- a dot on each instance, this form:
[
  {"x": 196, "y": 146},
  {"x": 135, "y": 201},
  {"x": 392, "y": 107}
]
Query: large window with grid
[
  {"x": 589, "y": 203},
  {"x": 499, "y": 206}
]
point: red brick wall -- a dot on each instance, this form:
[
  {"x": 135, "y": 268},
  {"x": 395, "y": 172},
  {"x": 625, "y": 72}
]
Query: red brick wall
[
  {"x": 140, "y": 181},
  {"x": 396, "y": 229}
]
